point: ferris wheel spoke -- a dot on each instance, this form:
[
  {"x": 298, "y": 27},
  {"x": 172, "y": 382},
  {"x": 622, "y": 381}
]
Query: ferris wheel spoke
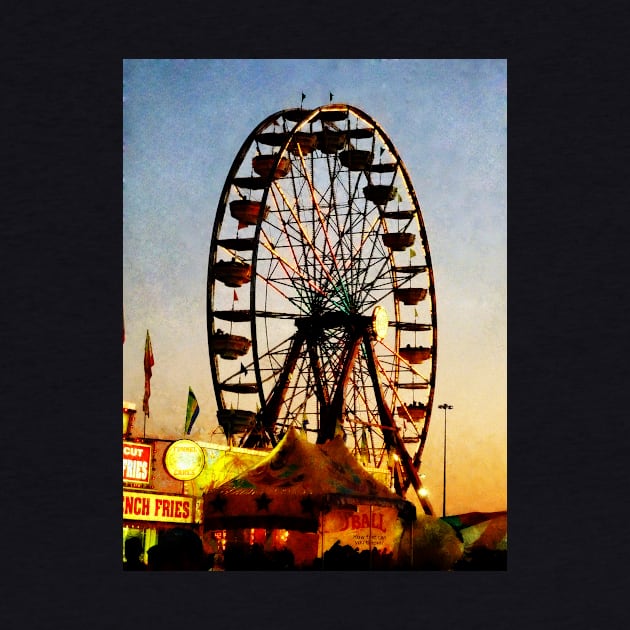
[
  {"x": 309, "y": 181},
  {"x": 354, "y": 265},
  {"x": 366, "y": 261},
  {"x": 274, "y": 287},
  {"x": 287, "y": 266},
  {"x": 325, "y": 232},
  {"x": 299, "y": 184},
  {"x": 368, "y": 288},
  {"x": 306, "y": 238},
  {"x": 366, "y": 235},
  {"x": 383, "y": 275},
  {"x": 274, "y": 315},
  {"x": 354, "y": 210},
  {"x": 284, "y": 230}
]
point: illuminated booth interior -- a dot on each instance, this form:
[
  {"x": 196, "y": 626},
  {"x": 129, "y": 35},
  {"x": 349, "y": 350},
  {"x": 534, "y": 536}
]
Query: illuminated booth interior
[{"x": 307, "y": 498}]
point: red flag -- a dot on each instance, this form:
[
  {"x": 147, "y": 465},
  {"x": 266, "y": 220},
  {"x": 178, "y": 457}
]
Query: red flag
[
  {"x": 235, "y": 297},
  {"x": 242, "y": 225},
  {"x": 149, "y": 362}
]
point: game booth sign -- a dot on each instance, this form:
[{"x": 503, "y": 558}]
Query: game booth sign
[
  {"x": 318, "y": 495},
  {"x": 155, "y": 496},
  {"x": 154, "y": 473}
]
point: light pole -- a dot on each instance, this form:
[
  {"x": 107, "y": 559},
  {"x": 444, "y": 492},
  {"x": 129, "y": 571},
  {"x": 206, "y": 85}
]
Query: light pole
[{"x": 444, "y": 406}]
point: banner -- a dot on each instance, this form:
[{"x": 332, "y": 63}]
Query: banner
[
  {"x": 167, "y": 508},
  {"x": 370, "y": 527}
]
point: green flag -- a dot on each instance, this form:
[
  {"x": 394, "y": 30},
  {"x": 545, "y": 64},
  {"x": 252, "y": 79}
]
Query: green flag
[{"x": 192, "y": 411}]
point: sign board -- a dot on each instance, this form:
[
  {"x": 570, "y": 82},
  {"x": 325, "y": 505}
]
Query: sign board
[
  {"x": 184, "y": 460},
  {"x": 136, "y": 462},
  {"x": 168, "y": 508},
  {"x": 370, "y": 527}
]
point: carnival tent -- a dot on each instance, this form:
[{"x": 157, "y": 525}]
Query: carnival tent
[{"x": 293, "y": 485}]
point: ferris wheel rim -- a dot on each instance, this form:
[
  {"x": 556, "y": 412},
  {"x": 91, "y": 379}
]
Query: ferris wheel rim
[{"x": 290, "y": 135}]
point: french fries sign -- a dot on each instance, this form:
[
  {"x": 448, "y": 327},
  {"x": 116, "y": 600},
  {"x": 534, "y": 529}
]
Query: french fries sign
[{"x": 136, "y": 462}]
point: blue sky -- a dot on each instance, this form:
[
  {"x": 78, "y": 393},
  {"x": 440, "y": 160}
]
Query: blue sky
[{"x": 183, "y": 123}]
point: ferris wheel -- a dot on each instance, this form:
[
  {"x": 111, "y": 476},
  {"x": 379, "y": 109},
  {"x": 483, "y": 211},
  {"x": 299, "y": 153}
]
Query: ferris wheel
[{"x": 321, "y": 298}]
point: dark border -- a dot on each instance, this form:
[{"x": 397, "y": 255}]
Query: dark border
[{"x": 63, "y": 245}]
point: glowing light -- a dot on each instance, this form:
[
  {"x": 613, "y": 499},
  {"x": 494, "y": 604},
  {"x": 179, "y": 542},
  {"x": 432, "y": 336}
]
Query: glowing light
[
  {"x": 221, "y": 538},
  {"x": 380, "y": 322}
]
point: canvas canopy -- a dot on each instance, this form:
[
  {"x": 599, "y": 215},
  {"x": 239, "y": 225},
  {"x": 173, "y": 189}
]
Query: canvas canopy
[{"x": 293, "y": 485}]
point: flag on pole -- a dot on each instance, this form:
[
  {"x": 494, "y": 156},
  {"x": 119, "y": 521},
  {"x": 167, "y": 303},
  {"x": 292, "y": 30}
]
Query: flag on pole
[
  {"x": 412, "y": 253},
  {"x": 235, "y": 296},
  {"x": 192, "y": 411},
  {"x": 303, "y": 96},
  {"x": 149, "y": 362},
  {"x": 331, "y": 96}
]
